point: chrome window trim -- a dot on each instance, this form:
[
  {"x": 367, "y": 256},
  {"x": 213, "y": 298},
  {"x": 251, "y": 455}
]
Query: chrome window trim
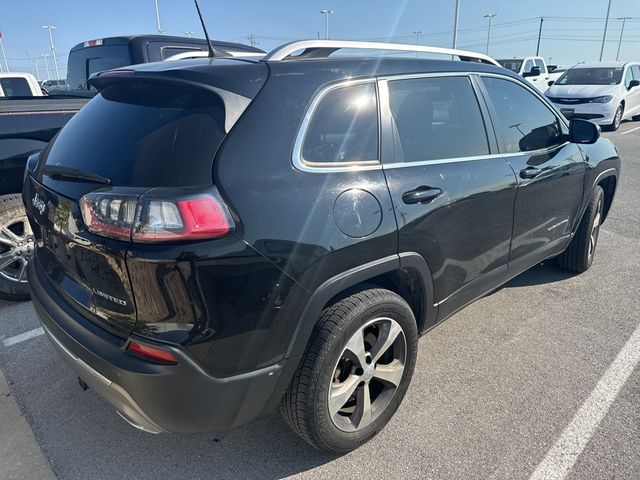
[
  {"x": 333, "y": 167},
  {"x": 420, "y": 163}
]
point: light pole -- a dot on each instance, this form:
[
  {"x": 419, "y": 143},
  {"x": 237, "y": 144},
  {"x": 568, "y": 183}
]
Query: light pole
[
  {"x": 624, "y": 19},
  {"x": 417, "y": 34},
  {"x": 35, "y": 62},
  {"x": 160, "y": 30},
  {"x": 490, "y": 17},
  {"x": 326, "y": 14},
  {"x": 46, "y": 65},
  {"x": 53, "y": 50},
  {"x": 604, "y": 36},
  {"x": 456, "y": 17},
  {"x": 188, "y": 33},
  {"x": 6, "y": 65}
]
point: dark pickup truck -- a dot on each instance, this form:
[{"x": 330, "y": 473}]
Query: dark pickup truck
[{"x": 27, "y": 124}]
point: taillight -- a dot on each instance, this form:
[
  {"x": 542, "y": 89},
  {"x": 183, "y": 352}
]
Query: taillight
[
  {"x": 152, "y": 353},
  {"x": 156, "y": 218}
]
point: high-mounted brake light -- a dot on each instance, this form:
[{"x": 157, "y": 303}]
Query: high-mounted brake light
[
  {"x": 116, "y": 73},
  {"x": 152, "y": 219},
  {"x": 153, "y": 353}
]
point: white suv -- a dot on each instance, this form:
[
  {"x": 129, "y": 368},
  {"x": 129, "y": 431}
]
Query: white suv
[{"x": 605, "y": 93}]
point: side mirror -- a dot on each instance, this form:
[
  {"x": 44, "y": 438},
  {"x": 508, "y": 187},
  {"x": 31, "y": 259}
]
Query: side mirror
[
  {"x": 551, "y": 82},
  {"x": 583, "y": 131},
  {"x": 633, "y": 83},
  {"x": 534, "y": 72}
]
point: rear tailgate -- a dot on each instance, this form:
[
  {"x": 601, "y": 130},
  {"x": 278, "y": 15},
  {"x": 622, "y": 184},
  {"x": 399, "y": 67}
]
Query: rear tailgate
[{"x": 88, "y": 270}]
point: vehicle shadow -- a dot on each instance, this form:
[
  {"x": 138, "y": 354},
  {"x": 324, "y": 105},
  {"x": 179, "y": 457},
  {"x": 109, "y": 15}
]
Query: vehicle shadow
[{"x": 543, "y": 273}]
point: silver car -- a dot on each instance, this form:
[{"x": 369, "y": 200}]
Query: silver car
[{"x": 605, "y": 93}]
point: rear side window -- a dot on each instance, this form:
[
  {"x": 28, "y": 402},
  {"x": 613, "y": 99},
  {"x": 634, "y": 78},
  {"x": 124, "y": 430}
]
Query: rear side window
[
  {"x": 436, "y": 118},
  {"x": 144, "y": 134},
  {"x": 15, "y": 87},
  {"x": 343, "y": 127},
  {"x": 636, "y": 72},
  {"x": 524, "y": 121}
]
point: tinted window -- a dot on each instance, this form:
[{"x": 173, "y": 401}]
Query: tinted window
[
  {"x": 144, "y": 135},
  {"x": 15, "y": 87},
  {"x": 524, "y": 121},
  {"x": 85, "y": 61},
  {"x": 436, "y": 118},
  {"x": 628, "y": 76},
  {"x": 513, "y": 65},
  {"x": 591, "y": 76},
  {"x": 636, "y": 72},
  {"x": 168, "y": 52},
  {"x": 344, "y": 127},
  {"x": 528, "y": 66},
  {"x": 540, "y": 63}
]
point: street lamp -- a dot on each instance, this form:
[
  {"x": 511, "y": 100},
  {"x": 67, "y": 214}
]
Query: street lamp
[
  {"x": 490, "y": 17},
  {"x": 53, "y": 50},
  {"x": 46, "y": 65},
  {"x": 604, "y": 35},
  {"x": 188, "y": 33},
  {"x": 417, "y": 34},
  {"x": 326, "y": 14},
  {"x": 624, "y": 19},
  {"x": 160, "y": 30},
  {"x": 456, "y": 17}
]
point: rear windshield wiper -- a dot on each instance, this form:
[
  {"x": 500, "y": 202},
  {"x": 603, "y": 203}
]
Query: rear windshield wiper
[{"x": 59, "y": 171}]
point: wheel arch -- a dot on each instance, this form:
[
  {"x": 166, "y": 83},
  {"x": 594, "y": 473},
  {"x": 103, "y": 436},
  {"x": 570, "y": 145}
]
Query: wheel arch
[
  {"x": 406, "y": 274},
  {"x": 608, "y": 181}
]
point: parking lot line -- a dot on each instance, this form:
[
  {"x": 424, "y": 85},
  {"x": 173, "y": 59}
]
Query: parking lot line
[
  {"x": 559, "y": 460},
  {"x": 629, "y": 131},
  {"x": 36, "y": 332}
]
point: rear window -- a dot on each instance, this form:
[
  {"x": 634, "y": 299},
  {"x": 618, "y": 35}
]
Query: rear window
[
  {"x": 15, "y": 87},
  {"x": 144, "y": 135},
  {"x": 513, "y": 65},
  {"x": 86, "y": 61}
]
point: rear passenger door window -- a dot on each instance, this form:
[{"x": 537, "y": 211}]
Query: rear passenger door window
[
  {"x": 525, "y": 123},
  {"x": 436, "y": 118},
  {"x": 343, "y": 127}
]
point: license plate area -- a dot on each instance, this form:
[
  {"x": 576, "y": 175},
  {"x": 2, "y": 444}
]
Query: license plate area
[{"x": 567, "y": 112}]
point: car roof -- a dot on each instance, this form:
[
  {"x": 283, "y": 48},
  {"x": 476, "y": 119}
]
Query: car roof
[
  {"x": 601, "y": 65},
  {"x": 127, "y": 39}
]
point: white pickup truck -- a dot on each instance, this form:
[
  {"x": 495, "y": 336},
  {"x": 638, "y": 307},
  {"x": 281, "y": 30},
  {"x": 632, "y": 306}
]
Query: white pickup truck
[
  {"x": 14, "y": 84},
  {"x": 533, "y": 69}
]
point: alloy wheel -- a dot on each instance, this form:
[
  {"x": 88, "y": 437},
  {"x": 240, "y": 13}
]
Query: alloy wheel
[
  {"x": 16, "y": 249},
  {"x": 367, "y": 374},
  {"x": 595, "y": 230}
]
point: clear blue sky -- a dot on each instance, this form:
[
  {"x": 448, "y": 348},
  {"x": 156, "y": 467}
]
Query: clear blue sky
[{"x": 515, "y": 30}]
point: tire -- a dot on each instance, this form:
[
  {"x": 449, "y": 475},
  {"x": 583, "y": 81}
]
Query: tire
[
  {"x": 578, "y": 256},
  {"x": 617, "y": 119},
  {"x": 330, "y": 366},
  {"x": 16, "y": 248}
]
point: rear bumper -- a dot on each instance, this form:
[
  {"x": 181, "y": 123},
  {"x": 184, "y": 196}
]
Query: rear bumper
[{"x": 153, "y": 397}]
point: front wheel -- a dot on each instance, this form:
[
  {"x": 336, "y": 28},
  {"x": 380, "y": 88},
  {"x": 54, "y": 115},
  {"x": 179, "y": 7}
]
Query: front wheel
[
  {"x": 617, "y": 119},
  {"x": 16, "y": 248},
  {"x": 355, "y": 372},
  {"x": 578, "y": 256}
]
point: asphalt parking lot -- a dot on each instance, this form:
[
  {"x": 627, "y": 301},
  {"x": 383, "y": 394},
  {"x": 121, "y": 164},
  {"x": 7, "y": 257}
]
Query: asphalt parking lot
[{"x": 528, "y": 379}]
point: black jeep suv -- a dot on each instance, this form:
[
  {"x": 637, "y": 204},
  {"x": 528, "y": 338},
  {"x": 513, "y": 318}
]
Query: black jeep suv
[{"x": 217, "y": 238}]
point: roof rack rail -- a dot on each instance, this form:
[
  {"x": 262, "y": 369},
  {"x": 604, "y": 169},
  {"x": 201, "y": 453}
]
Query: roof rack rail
[{"x": 324, "y": 48}]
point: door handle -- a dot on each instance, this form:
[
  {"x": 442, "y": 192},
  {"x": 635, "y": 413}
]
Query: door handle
[
  {"x": 530, "y": 172},
  {"x": 421, "y": 195}
]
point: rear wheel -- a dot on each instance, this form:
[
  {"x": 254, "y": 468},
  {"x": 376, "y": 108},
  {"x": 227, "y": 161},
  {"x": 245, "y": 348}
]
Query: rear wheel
[
  {"x": 355, "y": 372},
  {"x": 578, "y": 256},
  {"x": 16, "y": 248}
]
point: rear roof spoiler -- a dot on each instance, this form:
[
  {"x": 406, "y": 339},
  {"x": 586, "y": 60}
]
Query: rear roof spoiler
[{"x": 234, "y": 103}]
